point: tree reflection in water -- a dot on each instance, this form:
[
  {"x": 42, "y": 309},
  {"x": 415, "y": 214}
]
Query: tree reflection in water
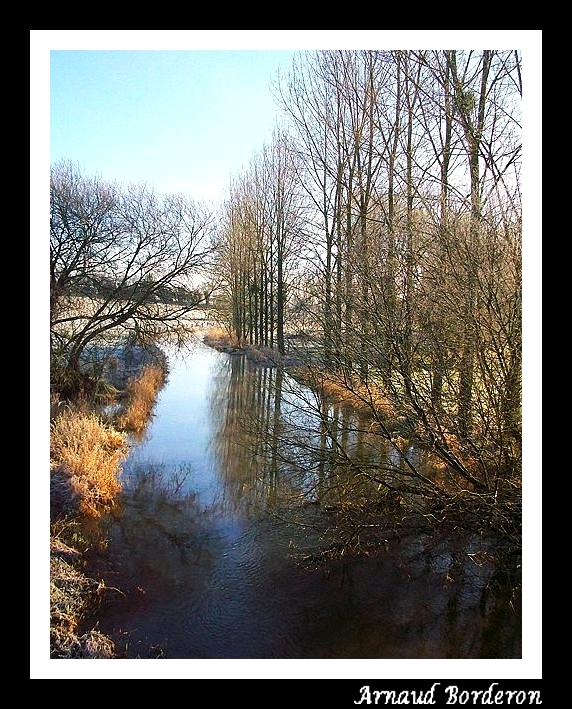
[{"x": 241, "y": 571}]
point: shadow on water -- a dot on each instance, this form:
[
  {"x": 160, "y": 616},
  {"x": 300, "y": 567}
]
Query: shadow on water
[{"x": 205, "y": 548}]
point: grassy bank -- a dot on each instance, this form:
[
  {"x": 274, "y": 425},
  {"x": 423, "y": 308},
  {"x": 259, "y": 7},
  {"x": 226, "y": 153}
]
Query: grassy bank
[{"x": 87, "y": 449}]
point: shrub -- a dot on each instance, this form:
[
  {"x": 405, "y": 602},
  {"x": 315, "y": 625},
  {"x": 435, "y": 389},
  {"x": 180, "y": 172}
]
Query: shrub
[{"x": 87, "y": 454}]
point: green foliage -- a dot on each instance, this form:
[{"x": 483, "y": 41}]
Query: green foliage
[{"x": 465, "y": 102}]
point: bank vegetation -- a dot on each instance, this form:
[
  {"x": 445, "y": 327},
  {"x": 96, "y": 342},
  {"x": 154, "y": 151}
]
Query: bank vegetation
[{"x": 87, "y": 449}]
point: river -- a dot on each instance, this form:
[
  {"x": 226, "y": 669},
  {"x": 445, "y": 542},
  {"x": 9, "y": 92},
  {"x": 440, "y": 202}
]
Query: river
[{"x": 204, "y": 551}]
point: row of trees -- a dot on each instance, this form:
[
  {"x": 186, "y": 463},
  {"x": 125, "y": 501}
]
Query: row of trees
[
  {"x": 388, "y": 208},
  {"x": 162, "y": 294},
  {"x": 260, "y": 244}
]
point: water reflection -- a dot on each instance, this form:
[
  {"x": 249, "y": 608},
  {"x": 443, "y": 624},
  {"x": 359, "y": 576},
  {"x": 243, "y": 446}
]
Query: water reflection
[{"x": 221, "y": 501}]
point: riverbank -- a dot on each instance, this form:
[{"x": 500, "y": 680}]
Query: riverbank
[
  {"x": 87, "y": 447},
  {"x": 219, "y": 339}
]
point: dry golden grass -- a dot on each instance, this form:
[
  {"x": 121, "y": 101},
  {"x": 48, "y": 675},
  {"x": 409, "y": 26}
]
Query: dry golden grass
[
  {"x": 85, "y": 462},
  {"x": 337, "y": 390},
  {"x": 220, "y": 337},
  {"x": 88, "y": 452},
  {"x": 140, "y": 395}
]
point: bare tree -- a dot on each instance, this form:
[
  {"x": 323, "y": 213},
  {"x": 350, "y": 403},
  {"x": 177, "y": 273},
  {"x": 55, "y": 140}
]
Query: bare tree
[
  {"x": 259, "y": 240},
  {"x": 122, "y": 262},
  {"x": 310, "y": 101}
]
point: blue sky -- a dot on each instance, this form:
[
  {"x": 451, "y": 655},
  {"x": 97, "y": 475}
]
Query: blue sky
[
  {"x": 185, "y": 110},
  {"x": 182, "y": 121}
]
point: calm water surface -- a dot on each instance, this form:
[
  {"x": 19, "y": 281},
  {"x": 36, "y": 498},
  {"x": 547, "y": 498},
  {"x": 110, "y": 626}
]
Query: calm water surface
[{"x": 205, "y": 556}]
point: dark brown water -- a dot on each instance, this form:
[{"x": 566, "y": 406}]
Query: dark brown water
[{"x": 204, "y": 549}]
